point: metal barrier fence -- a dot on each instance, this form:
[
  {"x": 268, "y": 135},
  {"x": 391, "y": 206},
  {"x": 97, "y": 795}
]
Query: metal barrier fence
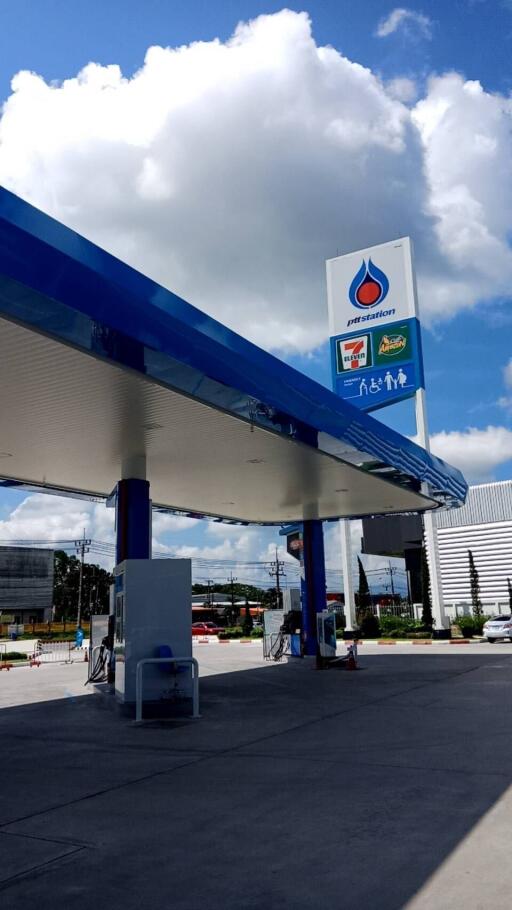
[{"x": 57, "y": 652}]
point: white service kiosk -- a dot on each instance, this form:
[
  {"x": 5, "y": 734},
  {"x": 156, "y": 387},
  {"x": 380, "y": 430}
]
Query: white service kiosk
[
  {"x": 152, "y": 609},
  {"x": 326, "y": 633}
]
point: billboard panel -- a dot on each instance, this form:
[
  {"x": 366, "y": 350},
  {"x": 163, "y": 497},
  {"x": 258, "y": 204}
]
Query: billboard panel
[
  {"x": 375, "y": 335},
  {"x": 371, "y": 287}
]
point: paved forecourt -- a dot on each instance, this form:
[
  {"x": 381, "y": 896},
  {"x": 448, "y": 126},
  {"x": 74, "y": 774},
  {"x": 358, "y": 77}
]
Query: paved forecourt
[
  {"x": 388, "y": 787},
  {"x": 24, "y": 685}
]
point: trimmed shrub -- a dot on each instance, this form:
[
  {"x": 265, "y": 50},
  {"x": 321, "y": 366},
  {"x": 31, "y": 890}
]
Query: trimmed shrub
[
  {"x": 471, "y": 625},
  {"x": 13, "y": 655},
  {"x": 369, "y": 626},
  {"x": 257, "y": 633},
  {"x": 230, "y": 632},
  {"x": 402, "y": 625}
]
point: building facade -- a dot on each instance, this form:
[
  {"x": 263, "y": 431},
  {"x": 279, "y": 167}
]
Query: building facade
[
  {"x": 484, "y": 526},
  {"x": 26, "y": 584}
]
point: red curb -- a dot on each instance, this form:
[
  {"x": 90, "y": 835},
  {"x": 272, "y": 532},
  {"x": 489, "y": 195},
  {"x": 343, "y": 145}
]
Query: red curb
[
  {"x": 460, "y": 641},
  {"x": 420, "y": 642},
  {"x": 386, "y": 642}
]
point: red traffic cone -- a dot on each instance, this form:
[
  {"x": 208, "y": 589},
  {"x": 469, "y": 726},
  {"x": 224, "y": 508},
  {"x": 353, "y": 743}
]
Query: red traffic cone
[{"x": 351, "y": 661}]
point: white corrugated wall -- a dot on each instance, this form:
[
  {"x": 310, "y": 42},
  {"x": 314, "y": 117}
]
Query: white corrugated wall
[{"x": 484, "y": 526}]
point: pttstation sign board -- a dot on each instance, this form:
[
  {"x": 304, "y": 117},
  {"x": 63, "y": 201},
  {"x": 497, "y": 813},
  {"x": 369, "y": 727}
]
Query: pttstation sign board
[{"x": 375, "y": 334}]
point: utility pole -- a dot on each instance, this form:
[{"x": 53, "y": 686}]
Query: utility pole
[
  {"x": 231, "y": 581},
  {"x": 82, "y": 547},
  {"x": 92, "y": 587},
  {"x": 209, "y": 583},
  {"x": 276, "y": 570},
  {"x": 392, "y": 571}
]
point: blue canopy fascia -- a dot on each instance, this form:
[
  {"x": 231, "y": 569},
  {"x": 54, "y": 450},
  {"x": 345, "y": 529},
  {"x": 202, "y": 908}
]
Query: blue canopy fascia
[{"x": 56, "y": 282}]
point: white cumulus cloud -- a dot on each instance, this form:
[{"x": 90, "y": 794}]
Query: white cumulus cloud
[
  {"x": 44, "y": 517},
  {"x": 407, "y": 20},
  {"x": 470, "y": 192},
  {"x": 229, "y": 171},
  {"x": 477, "y": 453},
  {"x": 41, "y": 517}
]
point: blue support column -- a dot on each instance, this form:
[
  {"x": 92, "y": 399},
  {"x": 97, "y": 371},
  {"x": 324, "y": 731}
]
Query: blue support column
[
  {"x": 313, "y": 591},
  {"x": 133, "y": 520}
]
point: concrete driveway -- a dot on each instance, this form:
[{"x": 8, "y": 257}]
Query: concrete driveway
[{"x": 381, "y": 789}]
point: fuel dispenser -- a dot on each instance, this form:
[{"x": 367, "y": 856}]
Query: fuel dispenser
[
  {"x": 282, "y": 633},
  {"x": 152, "y": 611},
  {"x": 326, "y": 633}
]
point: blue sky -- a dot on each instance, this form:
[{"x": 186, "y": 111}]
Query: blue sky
[
  {"x": 56, "y": 38},
  {"x": 436, "y": 146}
]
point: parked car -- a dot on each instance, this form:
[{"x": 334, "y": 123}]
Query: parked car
[
  {"x": 205, "y": 628},
  {"x": 498, "y": 627}
]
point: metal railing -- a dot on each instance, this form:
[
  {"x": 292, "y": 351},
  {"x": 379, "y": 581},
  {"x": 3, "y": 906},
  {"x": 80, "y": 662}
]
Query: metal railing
[
  {"x": 454, "y": 609},
  {"x": 179, "y": 661}
]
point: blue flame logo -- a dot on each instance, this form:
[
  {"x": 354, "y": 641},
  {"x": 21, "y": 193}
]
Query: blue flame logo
[{"x": 369, "y": 286}]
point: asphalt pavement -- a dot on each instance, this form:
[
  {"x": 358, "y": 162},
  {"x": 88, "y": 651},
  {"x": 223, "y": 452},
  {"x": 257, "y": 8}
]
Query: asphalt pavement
[{"x": 384, "y": 788}]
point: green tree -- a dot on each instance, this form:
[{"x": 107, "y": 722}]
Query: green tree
[
  {"x": 474, "y": 583},
  {"x": 509, "y": 589},
  {"x": 269, "y": 599},
  {"x": 426, "y": 614},
  {"x": 95, "y": 587}
]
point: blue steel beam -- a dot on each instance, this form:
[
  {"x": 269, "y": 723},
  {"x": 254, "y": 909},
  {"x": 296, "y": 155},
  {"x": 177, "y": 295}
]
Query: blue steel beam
[{"x": 54, "y": 281}]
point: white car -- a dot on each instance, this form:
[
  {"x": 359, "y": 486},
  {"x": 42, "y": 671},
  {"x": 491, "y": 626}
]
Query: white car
[{"x": 498, "y": 627}]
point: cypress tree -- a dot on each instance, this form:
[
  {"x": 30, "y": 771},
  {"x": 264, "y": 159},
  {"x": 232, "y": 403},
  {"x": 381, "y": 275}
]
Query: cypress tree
[
  {"x": 247, "y": 624},
  {"x": 364, "y": 588},
  {"x": 474, "y": 582},
  {"x": 509, "y": 588},
  {"x": 426, "y": 613}
]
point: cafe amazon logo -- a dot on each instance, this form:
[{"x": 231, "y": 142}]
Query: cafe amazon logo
[
  {"x": 391, "y": 345},
  {"x": 369, "y": 287}
]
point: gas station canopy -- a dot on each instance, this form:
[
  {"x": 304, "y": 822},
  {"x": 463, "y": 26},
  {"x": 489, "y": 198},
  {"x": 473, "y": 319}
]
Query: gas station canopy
[{"x": 101, "y": 368}]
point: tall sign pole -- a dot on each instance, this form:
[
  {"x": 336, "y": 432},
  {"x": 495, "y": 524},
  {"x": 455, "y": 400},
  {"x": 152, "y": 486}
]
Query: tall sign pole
[
  {"x": 348, "y": 580},
  {"x": 430, "y": 526},
  {"x": 429, "y": 522},
  {"x": 376, "y": 360}
]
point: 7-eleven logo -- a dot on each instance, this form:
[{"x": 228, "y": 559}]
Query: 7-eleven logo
[{"x": 353, "y": 353}]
